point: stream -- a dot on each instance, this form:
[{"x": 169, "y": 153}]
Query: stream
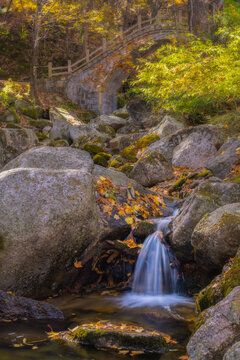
[
  {"x": 153, "y": 304},
  {"x": 172, "y": 315}
]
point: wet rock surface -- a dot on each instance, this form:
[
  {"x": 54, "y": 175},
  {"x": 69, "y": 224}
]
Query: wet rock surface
[
  {"x": 218, "y": 331},
  {"x": 20, "y": 308}
]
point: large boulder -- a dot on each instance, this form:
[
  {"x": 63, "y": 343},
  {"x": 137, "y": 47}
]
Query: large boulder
[
  {"x": 59, "y": 158},
  {"x": 209, "y": 195},
  {"x": 13, "y": 142},
  {"x": 168, "y": 126},
  {"x": 172, "y": 148},
  {"x": 193, "y": 152},
  {"x": 62, "y": 121},
  {"x": 114, "y": 121},
  {"x": 216, "y": 237},
  {"x": 219, "y": 330},
  {"x": 20, "y": 308},
  {"x": 151, "y": 169},
  {"x": 227, "y": 155},
  {"x": 68, "y": 126},
  {"x": 48, "y": 216},
  {"x": 233, "y": 353}
]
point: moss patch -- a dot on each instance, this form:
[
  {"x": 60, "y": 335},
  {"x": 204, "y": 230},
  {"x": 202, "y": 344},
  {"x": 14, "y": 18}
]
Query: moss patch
[
  {"x": 116, "y": 162},
  {"x": 130, "y": 152},
  {"x": 122, "y": 115},
  {"x": 220, "y": 286},
  {"x": 93, "y": 149},
  {"x": 107, "y": 129},
  {"x": 31, "y": 111},
  {"x": 100, "y": 160},
  {"x": 126, "y": 168},
  {"x": 13, "y": 126},
  {"x": 59, "y": 143},
  {"x": 146, "y": 341},
  {"x": 41, "y": 136},
  {"x": 39, "y": 124}
]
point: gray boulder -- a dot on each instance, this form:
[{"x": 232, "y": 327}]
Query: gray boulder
[
  {"x": 68, "y": 126},
  {"x": 168, "y": 126},
  {"x": 221, "y": 164},
  {"x": 216, "y": 237},
  {"x": 20, "y": 308},
  {"x": 62, "y": 121},
  {"x": 114, "y": 121},
  {"x": 151, "y": 169},
  {"x": 47, "y": 157},
  {"x": 220, "y": 329},
  {"x": 167, "y": 145},
  {"x": 13, "y": 142},
  {"x": 193, "y": 152},
  {"x": 233, "y": 353},
  {"x": 209, "y": 195},
  {"x": 48, "y": 217}
]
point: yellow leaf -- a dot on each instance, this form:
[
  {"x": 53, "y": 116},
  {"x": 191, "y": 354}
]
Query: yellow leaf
[
  {"x": 129, "y": 220},
  {"x": 78, "y": 264}
]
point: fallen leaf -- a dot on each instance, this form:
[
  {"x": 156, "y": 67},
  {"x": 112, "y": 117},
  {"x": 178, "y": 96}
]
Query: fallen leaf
[
  {"x": 78, "y": 264},
  {"x": 129, "y": 220}
]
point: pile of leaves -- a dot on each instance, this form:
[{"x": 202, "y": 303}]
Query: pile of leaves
[{"x": 127, "y": 202}]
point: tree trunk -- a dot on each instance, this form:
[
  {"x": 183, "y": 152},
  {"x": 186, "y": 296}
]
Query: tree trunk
[
  {"x": 34, "y": 53},
  {"x": 200, "y": 13}
]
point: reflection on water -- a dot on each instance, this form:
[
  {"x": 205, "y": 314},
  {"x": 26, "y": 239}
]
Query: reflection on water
[{"x": 170, "y": 314}]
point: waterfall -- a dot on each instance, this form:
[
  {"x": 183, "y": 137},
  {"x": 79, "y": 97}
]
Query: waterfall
[{"x": 155, "y": 272}]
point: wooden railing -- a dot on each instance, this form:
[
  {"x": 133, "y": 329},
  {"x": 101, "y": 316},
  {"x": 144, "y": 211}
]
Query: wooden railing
[{"x": 165, "y": 23}]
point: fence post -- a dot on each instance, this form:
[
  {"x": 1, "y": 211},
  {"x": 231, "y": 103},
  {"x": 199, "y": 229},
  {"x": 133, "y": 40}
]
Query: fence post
[
  {"x": 87, "y": 55},
  {"x": 104, "y": 44},
  {"x": 180, "y": 16},
  {"x": 69, "y": 66},
  {"x": 121, "y": 33},
  {"x": 50, "y": 69},
  {"x": 139, "y": 22}
]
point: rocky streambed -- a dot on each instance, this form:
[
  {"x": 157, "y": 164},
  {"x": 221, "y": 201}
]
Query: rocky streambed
[{"x": 75, "y": 207}]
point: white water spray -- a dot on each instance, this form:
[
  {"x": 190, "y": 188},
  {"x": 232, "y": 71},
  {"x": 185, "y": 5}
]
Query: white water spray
[{"x": 155, "y": 272}]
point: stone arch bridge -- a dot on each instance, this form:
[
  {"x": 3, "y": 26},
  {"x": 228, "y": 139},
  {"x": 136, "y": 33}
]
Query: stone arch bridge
[{"x": 93, "y": 81}]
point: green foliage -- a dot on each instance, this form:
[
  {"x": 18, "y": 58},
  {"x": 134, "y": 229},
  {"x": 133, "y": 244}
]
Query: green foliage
[
  {"x": 197, "y": 78},
  {"x": 12, "y": 125}
]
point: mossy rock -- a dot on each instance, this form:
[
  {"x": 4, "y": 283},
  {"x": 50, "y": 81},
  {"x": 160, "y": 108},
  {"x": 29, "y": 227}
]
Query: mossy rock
[
  {"x": 41, "y": 136},
  {"x": 93, "y": 149},
  {"x": 100, "y": 160},
  {"x": 59, "y": 143},
  {"x": 11, "y": 125},
  {"x": 143, "y": 229},
  {"x": 130, "y": 152},
  {"x": 39, "y": 124},
  {"x": 126, "y": 168},
  {"x": 220, "y": 286},
  {"x": 105, "y": 155},
  {"x": 115, "y": 162},
  {"x": 111, "y": 338},
  {"x": 86, "y": 117},
  {"x": 122, "y": 115},
  {"x": 33, "y": 112},
  {"x": 236, "y": 179},
  {"x": 107, "y": 129},
  {"x": 11, "y": 116}
]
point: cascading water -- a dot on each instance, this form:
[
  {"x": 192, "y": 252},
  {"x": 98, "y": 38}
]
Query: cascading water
[{"x": 155, "y": 272}]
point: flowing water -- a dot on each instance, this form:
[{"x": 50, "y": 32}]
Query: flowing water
[{"x": 153, "y": 304}]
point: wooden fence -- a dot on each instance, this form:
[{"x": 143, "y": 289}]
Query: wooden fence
[{"x": 165, "y": 22}]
